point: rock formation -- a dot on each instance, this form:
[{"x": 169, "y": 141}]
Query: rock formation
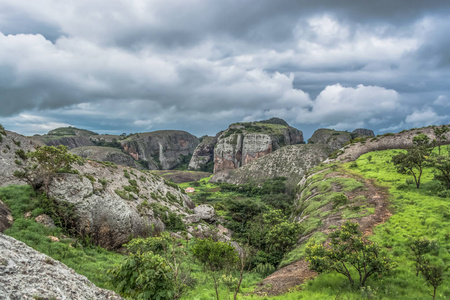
[
  {"x": 28, "y": 274},
  {"x": 243, "y": 142},
  {"x": 165, "y": 148},
  {"x": 110, "y": 154},
  {"x": 203, "y": 156},
  {"x": 361, "y": 132},
  {"x": 337, "y": 139},
  {"x": 291, "y": 162}
]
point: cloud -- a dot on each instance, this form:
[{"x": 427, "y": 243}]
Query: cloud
[
  {"x": 425, "y": 117},
  {"x": 442, "y": 100}
]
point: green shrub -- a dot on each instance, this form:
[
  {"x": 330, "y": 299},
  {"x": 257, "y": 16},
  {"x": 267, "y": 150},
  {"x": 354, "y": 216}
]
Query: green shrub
[
  {"x": 265, "y": 269},
  {"x": 339, "y": 199}
]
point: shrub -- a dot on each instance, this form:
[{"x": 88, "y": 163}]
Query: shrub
[{"x": 264, "y": 269}]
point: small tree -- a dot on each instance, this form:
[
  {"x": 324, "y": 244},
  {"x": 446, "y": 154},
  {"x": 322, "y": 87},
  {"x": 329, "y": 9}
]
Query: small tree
[
  {"x": 440, "y": 134},
  {"x": 44, "y": 163},
  {"x": 349, "y": 250},
  {"x": 441, "y": 164},
  {"x": 215, "y": 257},
  {"x": 420, "y": 247},
  {"x": 412, "y": 162},
  {"x": 433, "y": 275}
]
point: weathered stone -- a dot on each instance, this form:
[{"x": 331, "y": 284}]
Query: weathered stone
[
  {"x": 53, "y": 238},
  {"x": 27, "y": 274},
  {"x": 6, "y": 219},
  {"x": 363, "y": 132},
  {"x": 191, "y": 219},
  {"x": 110, "y": 154},
  {"x": 45, "y": 220},
  {"x": 330, "y": 137},
  {"x": 203, "y": 154},
  {"x": 205, "y": 212}
]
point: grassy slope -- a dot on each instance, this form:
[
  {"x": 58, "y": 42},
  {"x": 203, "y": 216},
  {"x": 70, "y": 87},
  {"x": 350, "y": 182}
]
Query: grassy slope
[{"x": 90, "y": 261}]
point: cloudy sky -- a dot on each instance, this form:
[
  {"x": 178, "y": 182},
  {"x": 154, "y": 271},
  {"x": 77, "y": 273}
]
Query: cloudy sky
[{"x": 116, "y": 66}]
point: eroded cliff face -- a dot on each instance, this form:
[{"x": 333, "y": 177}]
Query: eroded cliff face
[
  {"x": 242, "y": 143},
  {"x": 337, "y": 139},
  {"x": 110, "y": 154},
  {"x": 203, "y": 156},
  {"x": 164, "y": 149}
]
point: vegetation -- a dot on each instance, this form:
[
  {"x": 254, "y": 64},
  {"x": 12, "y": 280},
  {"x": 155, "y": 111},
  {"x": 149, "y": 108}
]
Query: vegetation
[{"x": 349, "y": 250}]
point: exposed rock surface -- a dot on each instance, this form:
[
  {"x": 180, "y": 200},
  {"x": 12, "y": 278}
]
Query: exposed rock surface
[
  {"x": 110, "y": 154},
  {"x": 111, "y": 203},
  {"x": 203, "y": 155},
  {"x": 363, "y": 132},
  {"x": 163, "y": 149},
  {"x": 291, "y": 162},
  {"x": 401, "y": 140},
  {"x": 337, "y": 139},
  {"x": 242, "y": 143},
  {"x": 70, "y": 142},
  {"x": 28, "y": 274},
  {"x": 205, "y": 212},
  {"x": 6, "y": 219},
  {"x": 45, "y": 220},
  {"x": 10, "y": 144}
]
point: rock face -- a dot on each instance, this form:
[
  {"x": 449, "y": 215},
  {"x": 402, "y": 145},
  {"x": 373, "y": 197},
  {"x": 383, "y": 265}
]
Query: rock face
[
  {"x": 291, "y": 162},
  {"x": 6, "y": 219},
  {"x": 70, "y": 142},
  {"x": 401, "y": 140},
  {"x": 363, "y": 132},
  {"x": 203, "y": 156},
  {"x": 113, "y": 202},
  {"x": 337, "y": 139},
  {"x": 242, "y": 143},
  {"x": 28, "y": 274},
  {"x": 110, "y": 154},
  {"x": 163, "y": 149}
]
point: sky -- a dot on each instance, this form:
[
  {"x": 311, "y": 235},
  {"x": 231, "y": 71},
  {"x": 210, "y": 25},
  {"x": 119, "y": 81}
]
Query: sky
[{"x": 127, "y": 66}]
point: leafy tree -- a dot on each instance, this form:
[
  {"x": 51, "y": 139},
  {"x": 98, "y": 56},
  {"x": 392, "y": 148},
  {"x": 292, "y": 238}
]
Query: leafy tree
[
  {"x": 412, "y": 162},
  {"x": 215, "y": 257},
  {"x": 420, "y": 247},
  {"x": 44, "y": 163},
  {"x": 348, "y": 250},
  {"x": 440, "y": 134},
  {"x": 167, "y": 261},
  {"x": 421, "y": 140},
  {"x": 434, "y": 275},
  {"x": 144, "y": 276},
  {"x": 442, "y": 164}
]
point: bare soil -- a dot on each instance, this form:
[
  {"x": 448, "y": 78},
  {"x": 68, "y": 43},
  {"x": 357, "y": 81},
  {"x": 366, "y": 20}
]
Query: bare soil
[{"x": 289, "y": 278}]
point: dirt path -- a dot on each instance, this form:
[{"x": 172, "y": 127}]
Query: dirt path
[{"x": 291, "y": 276}]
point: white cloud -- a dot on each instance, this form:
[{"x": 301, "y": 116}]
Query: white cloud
[
  {"x": 425, "y": 117},
  {"x": 442, "y": 100}
]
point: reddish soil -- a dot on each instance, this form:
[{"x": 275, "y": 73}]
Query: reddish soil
[{"x": 291, "y": 276}]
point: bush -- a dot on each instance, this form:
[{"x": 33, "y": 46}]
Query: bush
[
  {"x": 264, "y": 269},
  {"x": 339, "y": 199}
]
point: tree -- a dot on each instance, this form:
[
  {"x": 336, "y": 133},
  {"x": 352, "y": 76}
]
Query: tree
[
  {"x": 433, "y": 275},
  {"x": 215, "y": 257},
  {"x": 349, "y": 250},
  {"x": 412, "y": 162},
  {"x": 440, "y": 134},
  {"x": 420, "y": 247},
  {"x": 442, "y": 164},
  {"x": 42, "y": 165}
]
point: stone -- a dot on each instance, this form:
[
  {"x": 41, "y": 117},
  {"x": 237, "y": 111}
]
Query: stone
[
  {"x": 27, "y": 274},
  {"x": 45, "y": 220},
  {"x": 6, "y": 218},
  {"x": 53, "y": 238},
  {"x": 205, "y": 212},
  {"x": 191, "y": 219},
  {"x": 27, "y": 215},
  {"x": 361, "y": 132}
]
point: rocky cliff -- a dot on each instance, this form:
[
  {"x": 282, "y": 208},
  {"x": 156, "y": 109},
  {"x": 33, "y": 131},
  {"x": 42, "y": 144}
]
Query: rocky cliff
[
  {"x": 203, "y": 156},
  {"x": 337, "y": 139},
  {"x": 110, "y": 154},
  {"x": 291, "y": 162},
  {"x": 28, "y": 274},
  {"x": 401, "y": 140},
  {"x": 164, "y": 149},
  {"x": 242, "y": 143}
]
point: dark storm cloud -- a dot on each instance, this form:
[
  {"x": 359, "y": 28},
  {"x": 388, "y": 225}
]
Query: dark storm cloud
[{"x": 146, "y": 65}]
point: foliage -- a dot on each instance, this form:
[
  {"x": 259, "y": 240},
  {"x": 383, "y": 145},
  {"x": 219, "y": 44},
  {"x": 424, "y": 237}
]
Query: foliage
[
  {"x": 412, "y": 162},
  {"x": 420, "y": 247},
  {"x": 433, "y": 275},
  {"x": 144, "y": 276},
  {"x": 440, "y": 134},
  {"x": 172, "y": 221},
  {"x": 349, "y": 250},
  {"x": 264, "y": 269},
  {"x": 44, "y": 163},
  {"x": 442, "y": 165}
]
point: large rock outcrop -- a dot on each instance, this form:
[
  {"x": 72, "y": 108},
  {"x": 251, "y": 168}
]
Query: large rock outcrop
[
  {"x": 291, "y": 162},
  {"x": 164, "y": 149},
  {"x": 337, "y": 139},
  {"x": 110, "y": 154},
  {"x": 27, "y": 274},
  {"x": 203, "y": 156},
  {"x": 242, "y": 143},
  {"x": 401, "y": 140}
]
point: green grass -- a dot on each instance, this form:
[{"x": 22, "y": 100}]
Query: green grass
[{"x": 85, "y": 259}]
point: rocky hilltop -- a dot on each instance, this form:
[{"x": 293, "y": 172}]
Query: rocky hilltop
[
  {"x": 242, "y": 143},
  {"x": 337, "y": 139},
  {"x": 291, "y": 162},
  {"x": 164, "y": 149},
  {"x": 401, "y": 140},
  {"x": 28, "y": 274},
  {"x": 203, "y": 156}
]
